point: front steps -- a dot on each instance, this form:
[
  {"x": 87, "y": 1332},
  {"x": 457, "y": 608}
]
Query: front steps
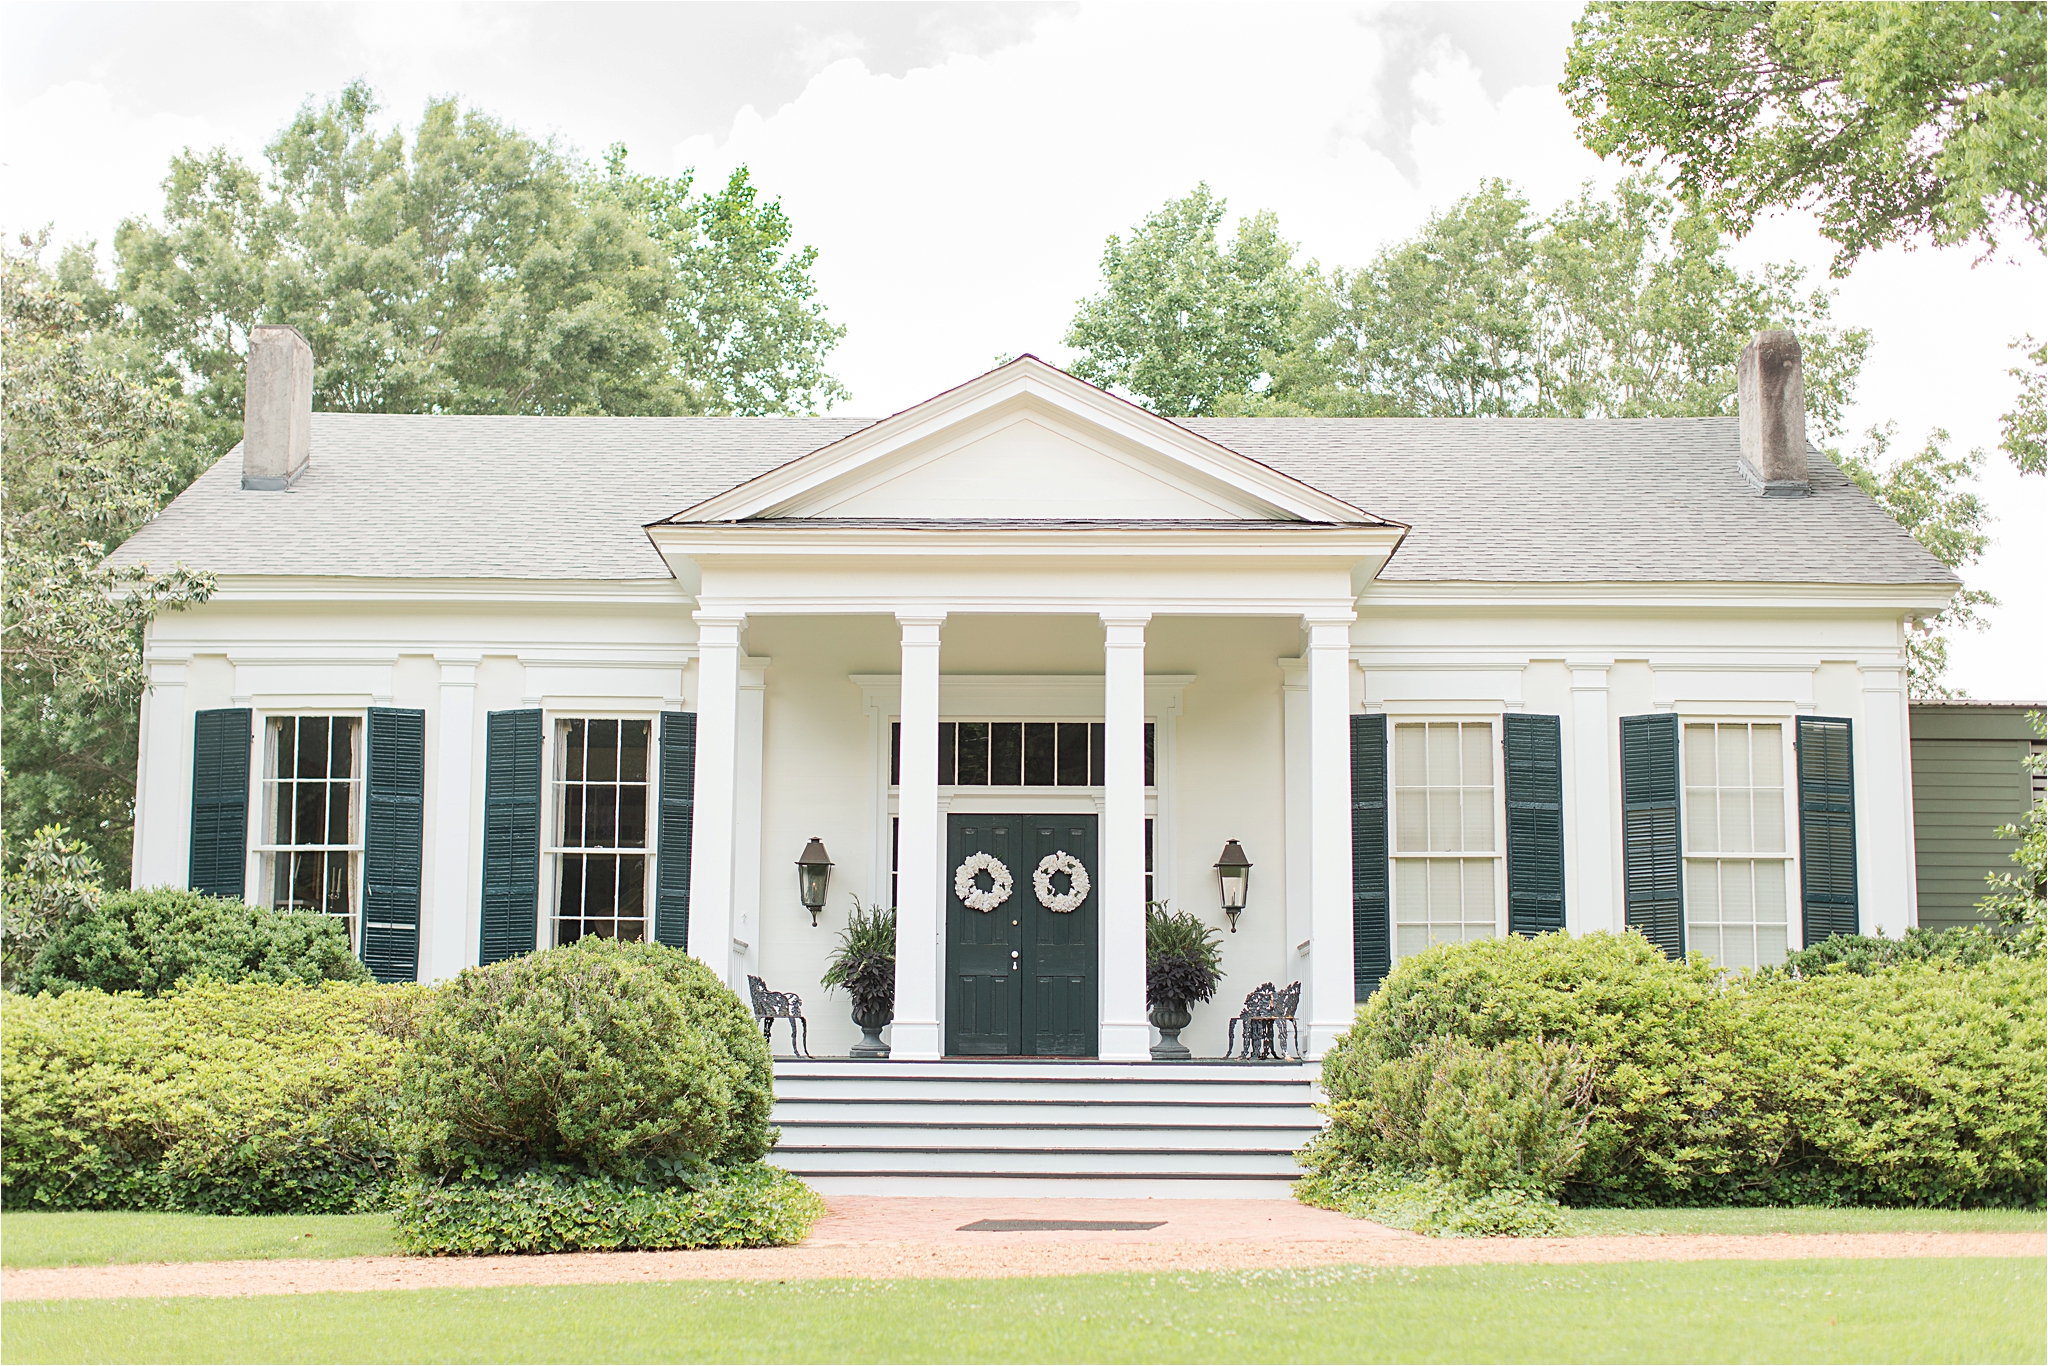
[{"x": 1208, "y": 1130}]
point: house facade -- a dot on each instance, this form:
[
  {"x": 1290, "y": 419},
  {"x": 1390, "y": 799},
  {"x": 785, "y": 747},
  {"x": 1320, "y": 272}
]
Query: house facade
[{"x": 1024, "y": 658}]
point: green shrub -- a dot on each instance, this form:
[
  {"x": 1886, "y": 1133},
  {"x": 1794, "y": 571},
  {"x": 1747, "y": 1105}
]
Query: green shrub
[
  {"x": 1647, "y": 1027},
  {"x": 559, "y": 1209},
  {"x": 1428, "y": 1202},
  {"x": 227, "y": 1099},
  {"x": 1863, "y": 953},
  {"x": 1922, "y": 1082},
  {"x": 623, "y": 1059},
  {"x": 1512, "y": 1115},
  {"x": 149, "y": 941}
]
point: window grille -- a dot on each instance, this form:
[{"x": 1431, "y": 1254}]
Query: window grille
[
  {"x": 1444, "y": 806},
  {"x": 312, "y": 789},
  {"x": 1737, "y": 859},
  {"x": 599, "y": 828}
]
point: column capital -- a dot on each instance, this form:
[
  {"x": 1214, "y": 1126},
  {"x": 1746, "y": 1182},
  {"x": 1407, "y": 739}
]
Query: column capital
[
  {"x": 1124, "y": 616},
  {"x": 921, "y": 627}
]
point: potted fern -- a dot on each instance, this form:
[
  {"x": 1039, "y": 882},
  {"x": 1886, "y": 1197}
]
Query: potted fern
[
  {"x": 864, "y": 967},
  {"x": 1183, "y": 964}
]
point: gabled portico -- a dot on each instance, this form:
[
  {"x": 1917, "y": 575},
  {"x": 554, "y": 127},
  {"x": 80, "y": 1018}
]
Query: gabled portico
[{"x": 1027, "y": 493}]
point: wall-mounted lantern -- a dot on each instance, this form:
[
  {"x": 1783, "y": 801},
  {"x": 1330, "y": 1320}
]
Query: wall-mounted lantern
[
  {"x": 813, "y": 872},
  {"x": 1235, "y": 870}
]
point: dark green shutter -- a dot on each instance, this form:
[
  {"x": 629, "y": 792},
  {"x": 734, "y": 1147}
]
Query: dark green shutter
[
  {"x": 1827, "y": 828},
  {"x": 1652, "y": 865},
  {"x": 1372, "y": 954},
  {"x": 394, "y": 812},
  {"x": 220, "y": 801},
  {"x": 678, "y": 811},
  {"x": 511, "y": 833},
  {"x": 1533, "y": 749}
]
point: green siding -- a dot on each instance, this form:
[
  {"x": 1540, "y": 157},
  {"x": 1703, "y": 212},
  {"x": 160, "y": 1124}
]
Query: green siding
[
  {"x": 1651, "y": 861},
  {"x": 393, "y": 835},
  {"x": 1371, "y": 931},
  {"x": 678, "y": 813},
  {"x": 220, "y": 801},
  {"x": 1967, "y": 781},
  {"x": 511, "y": 894},
  {"x": 1532, "y": 747}
]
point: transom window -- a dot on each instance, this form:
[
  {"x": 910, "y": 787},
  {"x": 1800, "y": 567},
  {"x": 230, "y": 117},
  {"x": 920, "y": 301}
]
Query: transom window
[
  {"x": 600, "y": 828},
  {"x": 1019, "y": 753},
  {"x": 1737, "y": 865},
  {"x": 1445, "y": 851},
  {"x": 312, "y": 794}
]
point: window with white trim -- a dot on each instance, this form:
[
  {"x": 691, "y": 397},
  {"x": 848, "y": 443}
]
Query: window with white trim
[
  {"x": 1737, "y": 865},
  {"x": 599, "y": 828},
  {"x": 312, "y": 815},
  {"x": 1446, "y": 853}
]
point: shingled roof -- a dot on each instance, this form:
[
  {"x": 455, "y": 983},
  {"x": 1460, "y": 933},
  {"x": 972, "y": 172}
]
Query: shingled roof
[{"x": 1656, "y": 500}]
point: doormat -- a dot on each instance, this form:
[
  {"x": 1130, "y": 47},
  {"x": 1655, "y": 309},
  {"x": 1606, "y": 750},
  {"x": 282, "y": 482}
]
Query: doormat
[{"x": 1059, "y": 1226}]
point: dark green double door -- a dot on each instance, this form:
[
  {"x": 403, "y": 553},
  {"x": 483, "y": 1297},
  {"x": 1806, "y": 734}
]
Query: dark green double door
[{"x": 1020, "y": 979}]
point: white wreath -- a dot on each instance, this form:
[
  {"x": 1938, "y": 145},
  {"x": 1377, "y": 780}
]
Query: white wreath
[
  {"x": 1077, "y": 889},
  {"x": 972, "y": 896}
]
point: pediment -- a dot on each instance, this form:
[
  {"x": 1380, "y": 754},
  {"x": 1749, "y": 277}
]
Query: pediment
[{"x": 1026, "y": 442}]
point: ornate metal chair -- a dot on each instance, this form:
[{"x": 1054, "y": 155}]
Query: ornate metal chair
[
  {"x": 770, "y": 1006},
  {"x": 1267, "y": 1017}
]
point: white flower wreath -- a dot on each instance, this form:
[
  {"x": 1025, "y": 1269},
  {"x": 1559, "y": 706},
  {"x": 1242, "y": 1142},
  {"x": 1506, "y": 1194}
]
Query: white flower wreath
[
  {"x": 971, "y": 896},
  {"x": 1077, "y": 888}
]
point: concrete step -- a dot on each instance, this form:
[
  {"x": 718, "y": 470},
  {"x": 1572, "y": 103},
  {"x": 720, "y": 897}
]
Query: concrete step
[
  {"x": 987, "y": 1186},
  {"x": 1043, "y": 1113},
  {"x": 1012, "y": 1160}
]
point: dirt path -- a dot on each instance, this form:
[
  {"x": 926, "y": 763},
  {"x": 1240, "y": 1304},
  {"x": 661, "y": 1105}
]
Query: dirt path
[{"x": 885, "y": 1238}]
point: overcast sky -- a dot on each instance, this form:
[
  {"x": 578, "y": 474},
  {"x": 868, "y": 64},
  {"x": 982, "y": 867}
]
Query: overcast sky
[{"x": 959, "y": 166}]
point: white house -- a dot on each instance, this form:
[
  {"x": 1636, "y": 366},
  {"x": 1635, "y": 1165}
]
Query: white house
[{"x": 482, "y": 684}]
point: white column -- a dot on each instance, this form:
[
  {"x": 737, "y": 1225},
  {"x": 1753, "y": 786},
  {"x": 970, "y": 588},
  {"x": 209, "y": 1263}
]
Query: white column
[
  {"x": 1297, "y": 809},
  {"x": 163, "y": 781},
  {"x": 1120, "y": 903},
  {"x": 920, "y": 924},
  {"x": 712, "y": 829},
  {"x": 1330, "y": 1004},
  {"x": 749, "y": 915},
  {"x": 450, "y": 944},
  {"x": 1592, "y": 901},
  {"x": 1887, "y": 899}
]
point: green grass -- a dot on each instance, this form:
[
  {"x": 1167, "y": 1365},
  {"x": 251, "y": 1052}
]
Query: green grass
[
  {"x": 1806, "y": 1219},
  {"x": 1967, "y": 1309},
  {"x": 87, "y": 1237}
]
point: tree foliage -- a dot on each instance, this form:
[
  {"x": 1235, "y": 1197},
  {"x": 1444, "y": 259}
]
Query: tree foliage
[
  {"x": 83, "y": 468},
  {"x": 2018, "y": 899},
  {"x": 2025, "y": 428},
  {"x": 1924, "y": 492},
  {"x": 1183, "y": 322},
  {"x": 1890, "y": 122}
]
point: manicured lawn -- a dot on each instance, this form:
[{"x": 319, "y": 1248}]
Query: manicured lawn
[
  {"x": 1807, "y": 1219},
  {"x": 1910, "y": 1310},
  {"x": 78, "y": 1238}
]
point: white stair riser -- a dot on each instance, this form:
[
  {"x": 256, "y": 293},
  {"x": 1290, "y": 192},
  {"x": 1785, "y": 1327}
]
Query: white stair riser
[
  {"x": 1136, "y": 1162},
  {"x": 1014, "y": 1069},
  {"x": 935, "y": 1137},
  {"x": 1051, "y": 1114},
  {"x": 945, "y": 1090}
]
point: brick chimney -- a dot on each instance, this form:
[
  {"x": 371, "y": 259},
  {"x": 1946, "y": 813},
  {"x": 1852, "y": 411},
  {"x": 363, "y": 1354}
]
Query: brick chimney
[
  {"x": 1770, "y": 401},
  {"x": 277, "y": 408}
]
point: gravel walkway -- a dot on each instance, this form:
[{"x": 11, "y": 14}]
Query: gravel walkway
[{"x": 887, "y": 1237}]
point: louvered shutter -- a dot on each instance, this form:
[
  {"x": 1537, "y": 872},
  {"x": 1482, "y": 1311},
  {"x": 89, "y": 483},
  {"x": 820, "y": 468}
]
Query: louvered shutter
[
  {"x": 678, "y": 811},
  {"x": 1651, "y": 860},
  {"x": 1827, "y": 828},
  {"x": 511, "y": 833},
  {"x": 1532, "y": 747},
  {"x": 394, "y": 810},
  {"x": 220, "y": 801},
  {"x": 1371, "y": 934}
]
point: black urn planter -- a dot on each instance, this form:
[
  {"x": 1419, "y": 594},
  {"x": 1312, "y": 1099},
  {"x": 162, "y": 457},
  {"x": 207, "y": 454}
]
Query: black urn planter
[
  {"x": 1170, "y": 1018},
  {"x": 871, "y": 1022}
]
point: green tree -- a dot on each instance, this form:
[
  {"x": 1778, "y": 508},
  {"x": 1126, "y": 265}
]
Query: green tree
[
  {"x": 1891, "y": 122},
  {"x": 1183, "y": 322},
  {"x": 748, "y": 334},
  {"x": 82, "y": 469},
  {"x": 2025, "y": 438},
  {"x": 2018, "y": 900},
  {"x": 1924, "y": 493}
]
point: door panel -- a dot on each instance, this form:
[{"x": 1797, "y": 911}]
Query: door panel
[{"x": 1020, "y": 980}]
